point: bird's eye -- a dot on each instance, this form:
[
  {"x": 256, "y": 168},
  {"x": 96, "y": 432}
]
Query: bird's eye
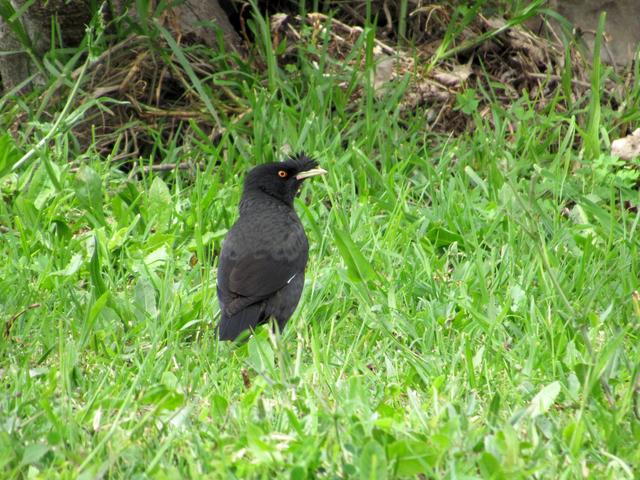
[{"x": 282, "y": 174}]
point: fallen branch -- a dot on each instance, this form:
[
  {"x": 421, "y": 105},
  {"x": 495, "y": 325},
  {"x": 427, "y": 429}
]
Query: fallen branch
[
  {"x": 168, "y": 167},
  {"x": 11, "y": 321}
]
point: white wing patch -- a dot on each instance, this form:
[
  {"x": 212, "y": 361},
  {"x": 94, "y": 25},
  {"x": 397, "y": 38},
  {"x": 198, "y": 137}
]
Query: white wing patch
[{"x": 289, "y": 281}]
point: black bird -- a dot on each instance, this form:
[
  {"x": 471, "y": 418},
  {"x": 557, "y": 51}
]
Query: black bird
[{"x": 261, "y": 268}]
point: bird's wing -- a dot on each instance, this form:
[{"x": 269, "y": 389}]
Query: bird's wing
[
  {"x": 260, "y": 276},
  {"x": 256, "y": 266}
]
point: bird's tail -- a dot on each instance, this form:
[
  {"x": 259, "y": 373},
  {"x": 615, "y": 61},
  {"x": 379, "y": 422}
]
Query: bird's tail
[{"x": 231, "y": 326}]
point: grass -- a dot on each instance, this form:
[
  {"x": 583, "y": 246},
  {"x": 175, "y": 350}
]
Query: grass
[{"x": 465, "y": 300}]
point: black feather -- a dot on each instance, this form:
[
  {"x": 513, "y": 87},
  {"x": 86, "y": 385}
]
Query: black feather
[
  {"x": 248, "y": 318},
  {"x": 263, "y": 257}
]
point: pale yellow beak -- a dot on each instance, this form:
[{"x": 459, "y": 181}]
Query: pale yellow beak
[{"x": 310, "y": 173}]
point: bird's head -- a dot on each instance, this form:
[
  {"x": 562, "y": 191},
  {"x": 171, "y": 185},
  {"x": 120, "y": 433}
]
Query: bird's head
[{"x": 282, "y": 180}]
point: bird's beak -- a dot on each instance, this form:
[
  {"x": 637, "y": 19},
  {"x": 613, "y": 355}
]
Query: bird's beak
[{"x": 310, "y": 173}]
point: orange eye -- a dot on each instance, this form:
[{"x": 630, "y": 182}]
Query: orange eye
[{"x": 282, "y": 174}]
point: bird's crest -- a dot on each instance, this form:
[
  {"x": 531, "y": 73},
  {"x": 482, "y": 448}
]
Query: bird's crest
[{"x": 301, "y": 162}]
